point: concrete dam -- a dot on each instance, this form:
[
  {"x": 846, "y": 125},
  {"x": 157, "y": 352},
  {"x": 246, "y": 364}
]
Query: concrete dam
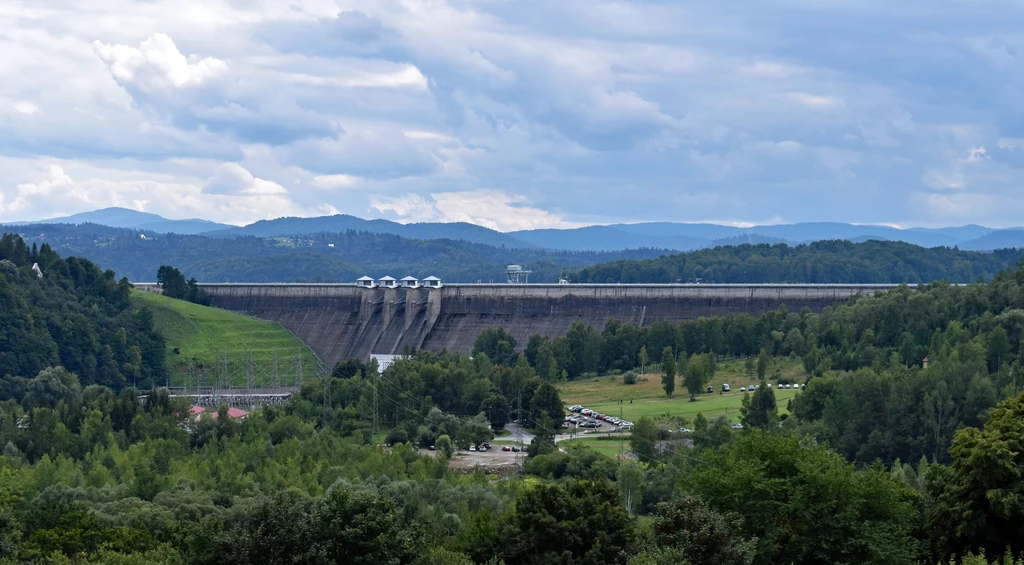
[{"x": 341, "y": 321}]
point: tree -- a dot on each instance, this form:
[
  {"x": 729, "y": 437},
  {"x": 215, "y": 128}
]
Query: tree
[
  {"x": 763, "y": 363},
  {"x": 51, "y": 386},
  {"x": 702, "y": 535},
  {"x": 696, "y": 375},
  {"x": 496, "y": 409},
  {"x": 547, "y": 402},
  {"x": 629, "y": 378},
  {"x": 543, "y": 441},
  {"x": 644, "y": 439},
  {"x": 498, "y": 344},
  {"x": 578, "y": 522},
  {"x": 172, "y": 282},
  {"x": 759, "y": 409},
  {"x": 978, "y": 497},
  {"x": 630, "y": 479},
  {"x": 805, "y": 504},
  {"x": 443, "y": 445},
  {"x": 643, "y": 359},
  {"x": 668, "y": 365}
]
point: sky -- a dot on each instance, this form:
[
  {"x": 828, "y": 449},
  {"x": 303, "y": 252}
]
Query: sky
[{"x": 516, "y": 114}]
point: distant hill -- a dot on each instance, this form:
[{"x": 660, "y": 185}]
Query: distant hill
[
  {"x": 323, "y": 257},
  {"x": 126, "y": 218},
  {"x": 291, "y": 226},
  {"x": 672, "y": 236},
  {"x": 1000, "y": 239}
]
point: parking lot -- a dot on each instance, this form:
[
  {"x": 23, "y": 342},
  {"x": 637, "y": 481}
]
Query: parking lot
[{"x": 583, "y": 418}]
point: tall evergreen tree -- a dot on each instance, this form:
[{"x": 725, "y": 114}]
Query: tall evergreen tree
[{"x": 668, "y": 366}]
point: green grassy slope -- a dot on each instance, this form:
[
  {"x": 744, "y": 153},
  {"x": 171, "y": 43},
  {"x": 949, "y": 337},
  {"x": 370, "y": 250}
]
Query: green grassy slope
[
  {"x": 204, "y": 335},
  {"x": 648, "y": 398}
]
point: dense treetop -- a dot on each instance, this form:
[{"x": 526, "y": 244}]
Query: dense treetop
[{"x": 71, "y": 313}]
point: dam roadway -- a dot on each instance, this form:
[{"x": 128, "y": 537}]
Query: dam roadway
[{"x": 341, "y": 321}]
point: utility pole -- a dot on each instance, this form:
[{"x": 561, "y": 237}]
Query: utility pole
[
  {"x": 375, "y": 384},
  {"x": 622, "y": 447},
  {"x": 519, "y": 426}
]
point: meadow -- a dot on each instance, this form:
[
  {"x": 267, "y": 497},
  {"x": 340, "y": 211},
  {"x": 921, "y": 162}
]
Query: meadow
[{"x": 610, "y": 395}]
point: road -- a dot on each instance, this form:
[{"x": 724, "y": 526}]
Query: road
[{"x": 527, "y": 437}]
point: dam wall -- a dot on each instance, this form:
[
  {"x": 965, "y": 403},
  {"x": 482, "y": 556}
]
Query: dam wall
[{"x": 339, "y": 321}]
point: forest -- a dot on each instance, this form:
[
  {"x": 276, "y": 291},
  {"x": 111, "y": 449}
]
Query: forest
[
  {"x": 821, "y": 262},
  {"x": 344, "y": 257},
  {"x": 884, "y": 457}
]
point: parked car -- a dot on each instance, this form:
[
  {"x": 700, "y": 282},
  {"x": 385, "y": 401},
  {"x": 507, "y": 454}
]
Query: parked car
[
  {"x": 743, "y": 389},
  {"x": 686, "y": 430},
  {"x": 472, "y": 448},
  {"x": 711, "y": 389},
  {"x": 737, "y": 426},
  {"x": 506, "y": 448},
  {"x": 515, "y": 449}
]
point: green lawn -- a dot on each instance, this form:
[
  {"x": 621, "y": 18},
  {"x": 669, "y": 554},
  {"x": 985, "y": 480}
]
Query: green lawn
[
  {"x": 204, "y": 335},
  {"x": 607, "y": 446},
  {"x": 648, "y": 399}
]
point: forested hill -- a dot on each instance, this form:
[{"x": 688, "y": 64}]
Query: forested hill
[
  {"x": 820, "y": 262},
  {"x": 73, "y": 315},
  {"x": 324, "y": 257}
]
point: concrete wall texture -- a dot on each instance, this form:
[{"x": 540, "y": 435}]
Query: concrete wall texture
[{"x": 343, "y": 321}]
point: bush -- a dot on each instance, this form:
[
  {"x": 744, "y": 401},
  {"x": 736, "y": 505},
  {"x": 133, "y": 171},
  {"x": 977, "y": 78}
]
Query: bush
[{"x": 629, "y": 378}]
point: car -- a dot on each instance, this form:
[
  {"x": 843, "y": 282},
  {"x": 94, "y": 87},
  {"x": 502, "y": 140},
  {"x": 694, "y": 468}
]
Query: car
[
  {"x": 711, "y": 389},
  {"x": 487, "y": 446},
  {"x": 769, "y": 385},
  {"x": 743, "y": 389},
  {"x": 686, "y": 430},
  {"x": 472, "y": 448},
  {"x": 506, "y": 448},
  {"x": 789, "y": 386},
  {"x": 432, "y": 448},
  {"x": 725, "y": 387},
  {"x": 737, "y": 426},
  {"x": 515, "y": 449}
]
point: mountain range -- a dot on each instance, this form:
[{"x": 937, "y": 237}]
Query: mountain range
[{"x": 654, "y": 235}]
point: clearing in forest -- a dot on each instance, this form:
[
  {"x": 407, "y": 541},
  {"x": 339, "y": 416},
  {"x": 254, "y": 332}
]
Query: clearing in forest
[{"x": 648, "y": 398}]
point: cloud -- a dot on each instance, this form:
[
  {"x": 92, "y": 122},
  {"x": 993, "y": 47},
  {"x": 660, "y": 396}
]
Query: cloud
[
  {"x": 157, "y": 64},
  {"x": 26, "y": 108},
  {"x": 231, "y": 178},
  {"x": 639, "y": 110},
  {"x": 490, "y": 208},
  {"x": 334, "y": 182}
]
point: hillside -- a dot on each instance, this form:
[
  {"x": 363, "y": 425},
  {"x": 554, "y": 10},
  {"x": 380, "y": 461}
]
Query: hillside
[
  {"x": 321, "y": 257},
  {"x": 822, "y": 262},
  {"x": 199, "y": 339}
]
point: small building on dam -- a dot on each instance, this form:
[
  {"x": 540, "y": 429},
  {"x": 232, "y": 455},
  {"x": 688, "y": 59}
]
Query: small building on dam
[{"x": 385, "y": 316}]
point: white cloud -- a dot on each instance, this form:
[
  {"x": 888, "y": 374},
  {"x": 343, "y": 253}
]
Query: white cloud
[
  {"x": 26, "y": 108},
  {"x": 157, "y": 64},
  {"x": 1010, "y": 143},
  {"x": 232, "y": 178},
  {"x": 333, "y": 182},
  {"x": 490, "y": 208},
  {"x": 815, "y": 101}
]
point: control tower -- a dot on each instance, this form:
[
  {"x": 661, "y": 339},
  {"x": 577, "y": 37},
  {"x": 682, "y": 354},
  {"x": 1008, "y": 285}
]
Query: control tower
[{"x": 517, "y": 275}]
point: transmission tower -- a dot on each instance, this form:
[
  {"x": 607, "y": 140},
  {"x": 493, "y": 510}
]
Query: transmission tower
[
  {"x": 248, "y": 379},
  {"x": 277, "y": 374}
]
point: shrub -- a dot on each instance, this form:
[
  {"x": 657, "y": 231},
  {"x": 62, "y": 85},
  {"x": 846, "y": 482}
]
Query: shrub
[{"x": 629, "y": 378}]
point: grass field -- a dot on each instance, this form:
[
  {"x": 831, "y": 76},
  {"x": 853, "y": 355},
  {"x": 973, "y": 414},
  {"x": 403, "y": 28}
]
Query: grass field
[
  {"x": 648, "y": 398},
  {"x": 204, "y": 335}
]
